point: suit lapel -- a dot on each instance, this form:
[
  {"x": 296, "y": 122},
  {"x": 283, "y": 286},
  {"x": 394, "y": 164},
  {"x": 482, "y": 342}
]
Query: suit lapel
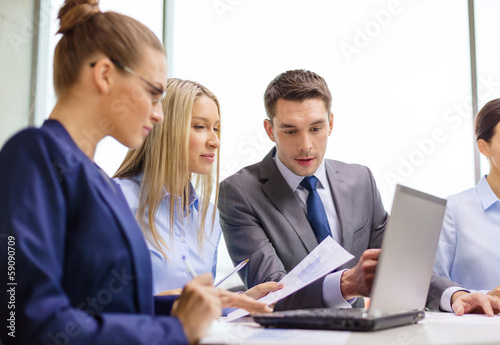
[
  {"x": 112, "y": 195},
  {"x": 343, "y": 202},
  {"x": 140, "y": 253},
  {"x": 280, "y": 194}
]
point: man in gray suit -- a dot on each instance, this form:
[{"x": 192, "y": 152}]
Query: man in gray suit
[{"x": 267, "y": 210}]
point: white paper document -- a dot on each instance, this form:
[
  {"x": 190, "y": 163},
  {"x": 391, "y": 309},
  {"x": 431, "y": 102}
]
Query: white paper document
[{"x": 326, "y": 257}]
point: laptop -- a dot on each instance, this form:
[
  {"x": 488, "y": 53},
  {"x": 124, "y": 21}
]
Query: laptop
[{"x": 402, "y": 278}]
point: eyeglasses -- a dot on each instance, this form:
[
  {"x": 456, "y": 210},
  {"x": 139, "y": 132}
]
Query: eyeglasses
[{"x": 158, "y": 94}]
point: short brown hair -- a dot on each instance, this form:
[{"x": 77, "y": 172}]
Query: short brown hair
[
  {"x": 487, "y": 119},
  {"x": 86, "y": 30},
  {"x": 296, "y": 85}
]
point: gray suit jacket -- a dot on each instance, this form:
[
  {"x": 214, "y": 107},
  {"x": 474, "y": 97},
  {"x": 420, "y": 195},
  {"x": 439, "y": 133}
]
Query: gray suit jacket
[{"x": 262, "y": 220}]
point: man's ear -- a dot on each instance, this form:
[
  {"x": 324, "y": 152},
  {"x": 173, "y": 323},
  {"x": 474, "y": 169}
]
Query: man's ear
[
  {"x": 484, "y": 147},
  {"x": 268, "y": 125},
  {"x": 330, "y": 123},
  {"x": 102, "y": 75}
]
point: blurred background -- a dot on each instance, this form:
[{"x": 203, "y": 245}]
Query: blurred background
[{"x": 407, "y": 77}]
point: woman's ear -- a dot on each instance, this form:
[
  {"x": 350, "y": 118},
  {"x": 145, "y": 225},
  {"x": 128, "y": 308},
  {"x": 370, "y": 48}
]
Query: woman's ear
[
  {"x": 484, "y": 147},
  {"x": 102, "y": 75}
]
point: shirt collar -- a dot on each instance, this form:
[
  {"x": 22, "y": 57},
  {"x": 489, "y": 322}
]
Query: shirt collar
[
  {"x": 294, "y": 180},
  {"x": 486, "y": 194},
  {"x": 193, "y": 198}
]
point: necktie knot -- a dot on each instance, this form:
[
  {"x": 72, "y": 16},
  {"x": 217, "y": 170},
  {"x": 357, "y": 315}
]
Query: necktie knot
[{"x": 309, "y": 183}]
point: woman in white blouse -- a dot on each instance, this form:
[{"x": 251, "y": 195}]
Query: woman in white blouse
[
  {"x": 157, "y": 180},
  {"x": 468, "y": 251}
]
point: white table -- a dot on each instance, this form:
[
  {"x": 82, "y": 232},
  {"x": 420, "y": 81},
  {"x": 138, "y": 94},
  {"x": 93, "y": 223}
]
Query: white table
[{"x": 436, "y": 328}]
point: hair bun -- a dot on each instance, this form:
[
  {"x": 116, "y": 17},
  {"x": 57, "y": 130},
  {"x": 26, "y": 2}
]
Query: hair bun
[{"x": 76, "y": 12}]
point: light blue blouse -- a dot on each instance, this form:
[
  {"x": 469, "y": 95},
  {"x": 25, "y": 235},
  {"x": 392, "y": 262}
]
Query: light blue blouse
[
  {"x": 469, "y": 246},
  {"x": 171, "y": 273}
]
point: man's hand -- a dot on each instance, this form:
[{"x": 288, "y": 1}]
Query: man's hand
[
  {"x": 358, "y": 280},
  {"x": 259, "y": 291},
  {"x": 463, "y": 302},
  {"x": 495, "y": 292},
  {"x": 198, "y": 305}
]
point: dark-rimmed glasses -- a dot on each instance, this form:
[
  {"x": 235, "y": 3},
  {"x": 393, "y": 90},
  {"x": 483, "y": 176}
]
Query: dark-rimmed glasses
[{"x": 159, "y": 93}]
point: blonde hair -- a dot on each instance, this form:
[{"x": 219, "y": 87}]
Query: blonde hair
[{"x": 163, "y": 158}]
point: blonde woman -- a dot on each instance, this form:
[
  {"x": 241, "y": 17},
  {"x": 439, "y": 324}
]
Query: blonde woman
[{"x": 160, "y": 179}]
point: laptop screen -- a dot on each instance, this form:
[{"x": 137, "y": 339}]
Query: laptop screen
[{"x": 404, "y": 270}]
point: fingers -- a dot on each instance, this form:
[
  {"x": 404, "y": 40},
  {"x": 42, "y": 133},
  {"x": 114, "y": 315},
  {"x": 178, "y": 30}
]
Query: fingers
[
  {"x": 170, "y": 292},
  {"x": 358, "y": 280},
  {"x": 198, "y": 305},
  {"x": 263, "y": 289},
  {"x": 495, "y": 303},
  {"x": 458, "y": 308},
  {"x": 371, "y": 254},
  {"x": 488, "y": 310},
  {"x": 268, "y": 287},
  {"x": 206, "y": 279},
  {"x": 480, "y": 304},
  {"x": 491, "y": 305},
  {"x": 368, "y": 264},
  {"x": 495, "y": 292},
  {"x": 231, "y": 299},
  {"x": 476, "y": 303}
]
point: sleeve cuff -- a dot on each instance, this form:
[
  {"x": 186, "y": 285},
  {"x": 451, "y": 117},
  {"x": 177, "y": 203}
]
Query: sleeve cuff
[
  {"x": 332, "y": 296},
  {"x": 445, "y": 302},
  {"x": 163, "y": 304}
]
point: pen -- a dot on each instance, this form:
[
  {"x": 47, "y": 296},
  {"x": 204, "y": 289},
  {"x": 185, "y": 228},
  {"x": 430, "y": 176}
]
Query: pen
[
  {"x": 236, "y": 269},
  {"x": 189, "y": 266}
]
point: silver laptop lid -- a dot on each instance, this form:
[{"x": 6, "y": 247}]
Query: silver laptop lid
[{"x": 404, "y": 270}]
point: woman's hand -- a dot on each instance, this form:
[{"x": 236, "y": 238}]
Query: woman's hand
[
  {"x": 248, "y": 299},
  {"x": 259, "y": 291},
  {"x": 495, "y": 292},
  {"x": 198, "y": 305},
  {"x": 170, "y": 292},
  {"x": 240, "y": 300}
]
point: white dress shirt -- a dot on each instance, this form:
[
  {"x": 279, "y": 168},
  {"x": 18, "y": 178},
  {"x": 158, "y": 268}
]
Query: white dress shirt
[{"x": 332, "y": 295}]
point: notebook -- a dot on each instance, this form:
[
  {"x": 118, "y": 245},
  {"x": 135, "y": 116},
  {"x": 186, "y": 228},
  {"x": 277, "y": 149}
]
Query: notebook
[{"x": 402, "y": 277}]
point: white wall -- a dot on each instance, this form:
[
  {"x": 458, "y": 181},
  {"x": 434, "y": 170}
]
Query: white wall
[
  {"x": 400, "y": 80},
  {"x": 16, "y": 39}
]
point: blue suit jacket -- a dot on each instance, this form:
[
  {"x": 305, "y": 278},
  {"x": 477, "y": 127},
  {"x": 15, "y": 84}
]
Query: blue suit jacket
[{"x": 82, "y": 273}]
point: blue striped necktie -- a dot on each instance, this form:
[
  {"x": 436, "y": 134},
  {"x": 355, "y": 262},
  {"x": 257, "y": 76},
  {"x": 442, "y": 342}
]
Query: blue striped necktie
[{"x": 316, "y": 214}]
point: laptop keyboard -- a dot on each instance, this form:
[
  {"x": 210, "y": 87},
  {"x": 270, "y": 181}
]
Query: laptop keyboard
[{"x": 347, "y": 312}]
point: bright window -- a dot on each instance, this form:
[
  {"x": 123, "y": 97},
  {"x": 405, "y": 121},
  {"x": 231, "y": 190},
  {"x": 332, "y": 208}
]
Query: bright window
[
  {"x": 398, "y": 70},
  {"x": 399, "y": 77}
]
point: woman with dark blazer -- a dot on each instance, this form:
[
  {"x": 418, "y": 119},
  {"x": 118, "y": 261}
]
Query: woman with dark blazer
[{"x": 77, "y": 267}]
